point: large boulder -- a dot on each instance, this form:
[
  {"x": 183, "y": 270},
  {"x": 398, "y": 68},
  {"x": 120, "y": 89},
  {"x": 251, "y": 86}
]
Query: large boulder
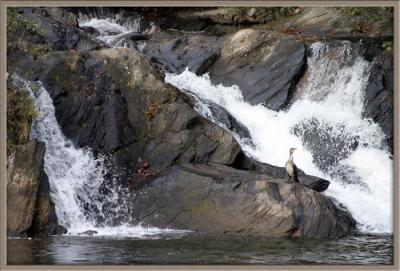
[
  {"x": 30, "y": 210},
  {"x": 265, "y": 65},
  {"x": 116, "y": 102},
  {"x": 220, "y": 199}
]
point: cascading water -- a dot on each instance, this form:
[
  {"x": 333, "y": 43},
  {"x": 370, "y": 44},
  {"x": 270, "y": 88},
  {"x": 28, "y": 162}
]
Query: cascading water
[
  {"x": 83, "y": 198},
  {"x": 111, "y": 31},
  {"x": 325, "y": 123}
]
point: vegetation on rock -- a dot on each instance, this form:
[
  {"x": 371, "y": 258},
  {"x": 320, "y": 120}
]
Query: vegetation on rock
[
  {"x": 20, "y": 114},
  {"x": 24, "y": 35},
  {"x": 269, "y": 12},
  {"x": 362, "y": 18}
]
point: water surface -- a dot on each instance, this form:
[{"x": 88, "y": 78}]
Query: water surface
[{"x": 200, "y": 249}]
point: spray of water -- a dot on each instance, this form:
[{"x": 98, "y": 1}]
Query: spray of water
[
  {"x": 84, "y": 199},
  {"x": 331, "y": 104}
]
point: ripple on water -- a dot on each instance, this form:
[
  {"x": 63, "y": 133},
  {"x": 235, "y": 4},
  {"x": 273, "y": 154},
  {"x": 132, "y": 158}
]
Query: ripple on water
[{"x": 200, "y": 249}]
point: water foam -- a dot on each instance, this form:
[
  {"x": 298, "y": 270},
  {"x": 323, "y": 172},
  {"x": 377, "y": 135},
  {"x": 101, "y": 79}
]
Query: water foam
[{"x": 332, "y": 94}]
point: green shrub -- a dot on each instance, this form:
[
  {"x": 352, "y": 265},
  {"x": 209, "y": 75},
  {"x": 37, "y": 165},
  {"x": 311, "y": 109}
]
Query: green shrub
[{"x": 19, "y": 28}]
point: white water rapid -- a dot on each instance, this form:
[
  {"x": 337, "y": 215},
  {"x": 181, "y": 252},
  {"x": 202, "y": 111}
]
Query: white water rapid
[
  {"x": 330, "y": 107},
  {"x": 83, "y": 199}
]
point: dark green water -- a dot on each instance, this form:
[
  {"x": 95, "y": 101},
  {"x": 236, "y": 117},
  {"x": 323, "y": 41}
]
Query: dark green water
[{"x": 200, "y": 249}]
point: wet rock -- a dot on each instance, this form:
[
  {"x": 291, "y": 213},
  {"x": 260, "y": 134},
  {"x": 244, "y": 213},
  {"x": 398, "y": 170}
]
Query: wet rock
[
  {"x": 219, "y": 199},
  {"x": 265, "y": 65},
  {"x": 222, "y": 116},
  {"x": 30, "y": 211}
]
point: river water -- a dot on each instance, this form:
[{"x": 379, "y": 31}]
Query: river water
[{"x": 200, "y": 249}]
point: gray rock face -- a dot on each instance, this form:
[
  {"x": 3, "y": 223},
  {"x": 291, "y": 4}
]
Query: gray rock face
[
  {"x": 220, "y": 199},
  {"x": 265, "y": 65},
  {"x": 30, "y": 211}
]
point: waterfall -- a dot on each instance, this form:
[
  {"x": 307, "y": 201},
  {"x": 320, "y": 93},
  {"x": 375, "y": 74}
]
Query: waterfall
[
  {"x": 325, "y": 123},
  {"x": 84, "y": 200}
]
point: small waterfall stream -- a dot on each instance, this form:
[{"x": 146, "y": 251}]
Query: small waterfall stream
[{"x": 84, "y": 199}]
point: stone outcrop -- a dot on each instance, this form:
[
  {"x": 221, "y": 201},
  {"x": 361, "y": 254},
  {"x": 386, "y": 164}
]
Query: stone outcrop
[
  {"x": 220, "y": 199},
  {"x": 30, "y": 211}
]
